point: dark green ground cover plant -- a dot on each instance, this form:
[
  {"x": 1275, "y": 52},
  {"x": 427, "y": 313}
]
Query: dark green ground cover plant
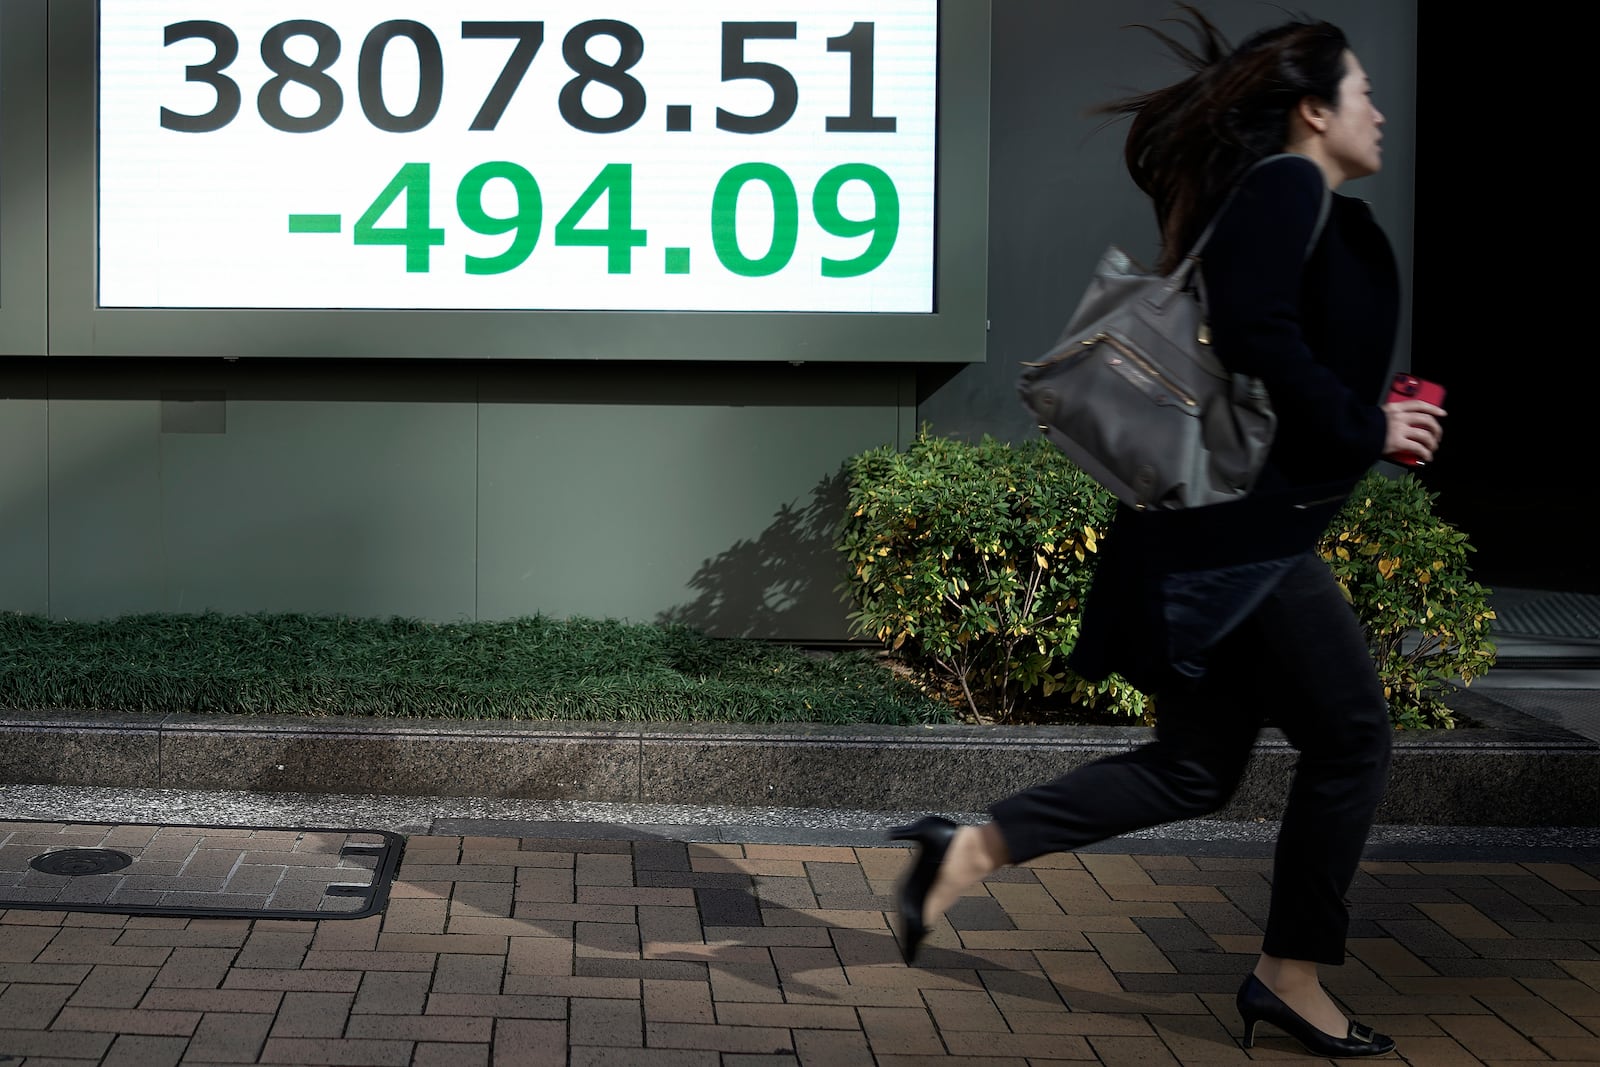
[
  {"x": 532, "y": 668},
  {"x": 970, "y": 562}
]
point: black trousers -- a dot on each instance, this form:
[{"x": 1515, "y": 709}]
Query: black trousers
[{"x": 1299, "y": 661}]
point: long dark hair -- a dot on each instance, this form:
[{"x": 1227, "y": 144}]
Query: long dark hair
[{"x": 1191, "y": 141}]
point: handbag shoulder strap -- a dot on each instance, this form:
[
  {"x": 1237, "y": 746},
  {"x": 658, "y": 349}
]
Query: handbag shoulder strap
[{"x": 1316, "y": 231}]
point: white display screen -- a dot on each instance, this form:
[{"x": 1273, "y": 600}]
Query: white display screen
[{"x": 633, "y": 155}]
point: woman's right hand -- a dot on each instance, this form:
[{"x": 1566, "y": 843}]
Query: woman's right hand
[{"x": 1413, "y": 429}]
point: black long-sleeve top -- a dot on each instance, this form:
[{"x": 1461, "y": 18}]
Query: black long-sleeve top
[{"x": 1319, "y": 332}]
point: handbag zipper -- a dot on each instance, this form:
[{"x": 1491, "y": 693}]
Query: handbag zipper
[
  {"x": 1128, "y": 353},
  {"x": 1144, "y": 365}
]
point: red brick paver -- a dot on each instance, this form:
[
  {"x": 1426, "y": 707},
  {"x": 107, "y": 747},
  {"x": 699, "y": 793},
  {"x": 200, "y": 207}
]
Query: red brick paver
[{"x": 498, "y": 951}]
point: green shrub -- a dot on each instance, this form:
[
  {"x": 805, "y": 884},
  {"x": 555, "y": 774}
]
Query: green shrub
[
  {"x": 971, "y": 560},
  {"x": 1405, "y": 571}
]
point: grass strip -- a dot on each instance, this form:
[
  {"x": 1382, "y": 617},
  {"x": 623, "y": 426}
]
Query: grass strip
[{"x": 527, "y": 668}]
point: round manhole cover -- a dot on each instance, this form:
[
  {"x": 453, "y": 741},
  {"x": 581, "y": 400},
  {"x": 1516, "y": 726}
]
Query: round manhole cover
[{"x": 73, "y": 862}]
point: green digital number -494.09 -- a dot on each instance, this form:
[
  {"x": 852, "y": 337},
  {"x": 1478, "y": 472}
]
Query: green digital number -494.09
[{"x": 614, "y": 182}]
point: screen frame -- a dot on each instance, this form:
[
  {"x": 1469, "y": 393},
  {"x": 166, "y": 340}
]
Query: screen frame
[
  {"x": 24, "y": 319},
  {"x": 955, "y": 332}
]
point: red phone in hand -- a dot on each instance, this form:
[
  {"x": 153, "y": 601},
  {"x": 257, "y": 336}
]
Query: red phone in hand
[{"x": 1409, "y": 387}]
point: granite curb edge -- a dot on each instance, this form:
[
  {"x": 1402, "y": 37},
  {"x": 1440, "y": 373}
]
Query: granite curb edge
[{"x": 1507, "y": 769}]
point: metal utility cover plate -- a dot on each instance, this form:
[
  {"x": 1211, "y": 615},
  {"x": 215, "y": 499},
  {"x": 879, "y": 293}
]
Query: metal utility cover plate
[{"x": 197, "y": 871}]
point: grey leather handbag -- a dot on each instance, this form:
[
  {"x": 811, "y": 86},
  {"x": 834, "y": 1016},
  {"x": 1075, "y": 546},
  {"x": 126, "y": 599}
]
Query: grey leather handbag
[{"x": 1132, "y": 393}]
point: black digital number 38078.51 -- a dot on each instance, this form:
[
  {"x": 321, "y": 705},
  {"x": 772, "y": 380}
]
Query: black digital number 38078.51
[{"x": 857, "y": 44}]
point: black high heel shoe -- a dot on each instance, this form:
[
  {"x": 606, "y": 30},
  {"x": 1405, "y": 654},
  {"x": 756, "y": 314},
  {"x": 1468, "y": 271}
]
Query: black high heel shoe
[
  {"x": 933, "y": 834},
  {"x": 1257, "y": 1003}
]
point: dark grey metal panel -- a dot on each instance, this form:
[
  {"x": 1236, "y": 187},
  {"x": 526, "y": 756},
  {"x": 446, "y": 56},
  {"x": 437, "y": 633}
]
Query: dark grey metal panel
[
  {"x": 22, "y": 178},
  {"x": 675, "y": 494},
  {"x": 107, "y": 555},
  {"x": 354, "y": 506},
  {"x": 326, "y": 492},
  {"x": 24, "y": 494},
  {"x": 701, "y": 495}
]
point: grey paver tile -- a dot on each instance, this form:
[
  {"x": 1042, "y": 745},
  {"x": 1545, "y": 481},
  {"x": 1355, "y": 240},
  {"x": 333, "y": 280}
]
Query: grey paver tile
[
  {"x": 747, "y": 982},
  {"x": 668, "y": 924},
  {"x": 347, "y": 935},
  {"x": 72, "y": 974},
  {"x": 530, "y": 1043},
  {"x": 603, "y": 870},
  {"x": 832, "y": 1048},
  {"x": 32, "y": 1007},
  {"x": 199, "y": 933},
  {"x": 721, "y": 1038},
  {"x": 606, "y": 1022},
  {"x": 392, "y": 993},
  {"x": 1570, "y": 1050},
  {"x": 963, "y": 1010},
  {"x": 96, "y": 946},
  {"x": 315, "y": 981},
  {"x": 901, "y": 1032},
  {"x": 248, "y": 1001},
  {"x": 136, "y": 1050},
  {"x": 195, "y": 968},
  {"x": 275, "y": 948},
  {"x": 444, "y": 1054},
  {"x": 458, "y": 1029},
  {"x": 611, "y": 940},
  {"x": 312, "y": 1015},
  {"x": 1577, "y": 999},
  {"x": 54, "y": 1044},
  {"x": 1586, "y": 971},
  {"x": 1131, "y": 1051},
  {"x": 556, "y": 985},
  {"x": 482, "y": 899},
  {"x": 678, "y": 1001},
  {"x": 469, "y": 974},
  {"x": 416, "y": 916},
  {"x": 599, "y": 1056},
  {"x": 974, "y": 1043},
  {"x": 127, "y": 1021},
  {"x": 336, "y": 1053},
  {"x": 1488, "y": 1037},
  {"x": 475, "y": 944},
  {"x": 504, "y": 1006},
  {"x": 368, "y": 961},
  {"x": 1533, "y": 1017},
  {"x": 666, "y": 970}
]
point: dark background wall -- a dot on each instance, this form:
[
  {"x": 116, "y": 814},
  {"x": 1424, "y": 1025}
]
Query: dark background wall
[{"x": 1502, "y": 314}]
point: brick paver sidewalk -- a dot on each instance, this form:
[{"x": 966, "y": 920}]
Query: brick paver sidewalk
[{"x": 529, "y": 951}]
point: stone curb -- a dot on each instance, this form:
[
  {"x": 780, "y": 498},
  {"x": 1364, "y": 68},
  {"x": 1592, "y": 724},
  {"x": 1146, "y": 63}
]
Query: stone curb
[{"x": 1508, "y": 769}]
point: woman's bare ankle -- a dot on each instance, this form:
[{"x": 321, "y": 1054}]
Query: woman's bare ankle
[
  {"x": 1280, "y": 973},
  {"x": 975, "y": 852},
  {"x": 1298, "y": 984}
]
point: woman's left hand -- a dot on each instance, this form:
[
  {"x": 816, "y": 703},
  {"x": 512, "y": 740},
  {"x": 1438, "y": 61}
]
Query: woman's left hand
[{"x": 1413, "y": 431}]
